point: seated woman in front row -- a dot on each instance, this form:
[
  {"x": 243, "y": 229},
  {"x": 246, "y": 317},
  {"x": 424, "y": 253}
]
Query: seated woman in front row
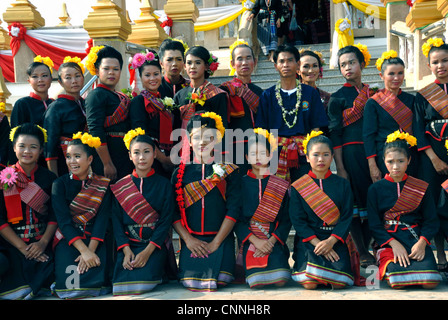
[
  {"x": 403, "y": 218},
  {"x": 321, "y": 210}
]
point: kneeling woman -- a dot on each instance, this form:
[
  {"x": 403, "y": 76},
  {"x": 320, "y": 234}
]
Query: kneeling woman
[
  {"x": 403, "y": 218},
  {"x": 321, "y": 210},
  {"x": 81, "y": 201},
  {"x": 143, "y": 213},
  {"x": 27, "y": 222},
  {"x": 208, "y": 197},
  {"x": 264, "y": 224}
]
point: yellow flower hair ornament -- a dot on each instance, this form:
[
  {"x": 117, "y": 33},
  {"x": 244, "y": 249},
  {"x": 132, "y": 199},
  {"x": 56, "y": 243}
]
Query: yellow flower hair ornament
[
  {"x": 2, "y": 107},
  {"x": 12, "y": 133},
  {"x": 232, "y": 47},
  {"x": 365, "y": 52},
  {"x": 269, "y": 137},
  {"x": 46, "y": 61},
  {"x": 319, "y": 54},
  {"x": 91, "y": 59},
  {"x": 87, "y": 139},
  {"x": 432, "y": 42},
  {"x": 411, "y": 140},
  {"x": 218, "y": 121},
  {"x": 385, "y": 56},
  {"x": 76, "y": 60},
  {"x": 309, "y": 136},
  {"x": 131, "y": 134},
  {"x": 183, "y": 43}
]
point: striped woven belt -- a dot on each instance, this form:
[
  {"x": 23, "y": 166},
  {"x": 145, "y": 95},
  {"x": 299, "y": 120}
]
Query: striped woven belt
[
  {"x": 116, "y": 134},
  {"x": 327, "y": 228},
  {"x": 401, "y": 223},
  {"x": 132, "y": 227}
]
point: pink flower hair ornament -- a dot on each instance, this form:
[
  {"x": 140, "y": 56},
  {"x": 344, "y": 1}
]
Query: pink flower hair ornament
[
  {"x": 8, "y": 177},
  {"x": 140, "y": 58}
]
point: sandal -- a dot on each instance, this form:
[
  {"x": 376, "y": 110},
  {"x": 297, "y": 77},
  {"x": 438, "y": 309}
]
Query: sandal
[{"x": 442, "y": 267}]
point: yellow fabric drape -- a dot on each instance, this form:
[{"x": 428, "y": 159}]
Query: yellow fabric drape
[
  {"x": 362, "y": 6},
  {"x": 217, "y": 24},
  {"x": 345, "y": 38}
]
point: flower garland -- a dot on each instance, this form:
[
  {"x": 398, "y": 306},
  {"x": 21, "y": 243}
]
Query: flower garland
[
  {"x": 140, "y": 58},
  {"x": 296, "y": 108},
  {"x": 309, "y": 136},
  {"x": 269, "y": 137},
  {"x": 12, "y": 133},
  {"x": 91, "y": 59},
  {"x": 432, "y": 42},
  {"x": 365, "y": 53},
  {"x": 93, "y": 142},
  {"x": 131, "y": 134},
  {"x": 232, "y": 47},
  {"x": 76, "y": 60},
  {"x": 46, "y": 61},
  {"x": 218, "y": 122},
  {"x": 179, "y": 191},
  {"x": 411, "y": 140},
  {"x": 8, "y": 177},
  {"x": 385, "y": 56}
]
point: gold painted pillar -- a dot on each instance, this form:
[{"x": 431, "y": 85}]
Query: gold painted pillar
[
  {"x": 4, "y": 94},
  {"x": 107, "y": 25},
  {"x": 22, "y": 11},
  {"x": 5, "y": 39},
  {"x": 147, "y": 30},
  {"x": 442, "y": 6},
  {"x": 184, "y": 14}
]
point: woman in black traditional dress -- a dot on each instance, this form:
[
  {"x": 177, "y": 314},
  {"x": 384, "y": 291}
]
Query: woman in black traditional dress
[
  {"x": 27, "y": 221},
  {"x": 153, "y": 113},
  {"x": 65, "y": 116},
  {"x": 403, "y": 219},
  {"x": 345, "y": 111},
  {"x": 143, "y": 213},
  {"x": 321, "y": 211},
  {"x": 82, "y": 201},
  {"x": 388, "y": 110},
  {"x": 264, "y": 224},
  {"x": 201, "y": 95},
  {"x": 208, "y": 196},
  {"x": 107, "y": 113}
]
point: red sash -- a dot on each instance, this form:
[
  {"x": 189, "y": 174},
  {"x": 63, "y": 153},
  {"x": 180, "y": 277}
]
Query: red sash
[
  {"x": 291, "y": 149},
  {"x": 353, "y": 114},
  {"x": 265, "y": 214},
  {"x": 237, "y": 91},
  {"x": 437, "y": 98},
  {"x": 133, "y": 202},
  {"x": 409, "y": 199},
  {"x": 121, "y": 113},
  {"x": 395, "y": 108},
  {"x": 445, "y": 185}
]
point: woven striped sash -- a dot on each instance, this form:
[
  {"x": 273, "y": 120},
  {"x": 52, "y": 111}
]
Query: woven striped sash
[
  {"x": 437, "y": 98},
  {"x": 86, "y": 203},
  {"x": 237, "y": 88},
  {"x": 291, "y": 148},
  {"x": 121, "y": 113},
  {"x": 318, "y": 201},
  {"x": 196, "y": 190},
  {"x": 395, "y": 108},
  {"x": 353, "y": 114},
  {"x": 409, "y": 199},
  {"x": 133, "y": 202},
  {"x": 269, "y": 206},
  {"x": 445, "y": 185}
]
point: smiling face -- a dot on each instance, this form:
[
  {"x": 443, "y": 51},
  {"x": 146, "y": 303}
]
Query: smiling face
[
  {"x": 109, "y": 72},
  {"x": 27, "y": 149},
  {"x": 393, "y": 76},
  {"x": 202, "y": 141},
  {"x": 77, "y": 160},
  {"x": 40, "y": 79},
  {"x": 151, "y": 78},
  {"x": 172, "y": 63},
  {"x": 309, "y": 69},
  {"x": 142, "y": 156},
  {"x": 71, "y": 80},
  {"x": 319, "y": 157},
  {"x": 438, "y": 63}
]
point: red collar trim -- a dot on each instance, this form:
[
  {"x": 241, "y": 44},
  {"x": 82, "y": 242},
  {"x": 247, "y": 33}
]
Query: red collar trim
[
  {"x": 388, "y": 178},
  {"x": 312, "y": 175},
  {"x": 150, "y": 173},
  {"x": 252, "y": 175},
  {"x": 181, "y": 81},
  {"x": 156, "y": 95},
  {"x": 35, "y": 96},
  {"x": 19, "y": 168},
  {"x": 437, "y": 81},
  {"x": 66, "y": 96},
  {"x": 196, "y": 161},
  {"x": 104, "y": 87}
]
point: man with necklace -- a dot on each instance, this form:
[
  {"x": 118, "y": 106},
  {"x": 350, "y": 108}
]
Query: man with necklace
[{"x": 294, "y": 110}]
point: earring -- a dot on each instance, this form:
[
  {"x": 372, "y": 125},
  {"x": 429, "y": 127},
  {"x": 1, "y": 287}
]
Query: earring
[{"x": 90, "y": 174}]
